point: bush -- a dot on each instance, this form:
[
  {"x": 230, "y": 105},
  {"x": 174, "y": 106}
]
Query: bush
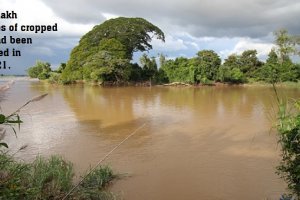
[
  {"x": 40, "y": 70},
  {"x": 55, "y": 78},
  {"x": 43, "y": 76},
  {"x": 289, "y": 139},
  {"x": 234, "y": 75}
]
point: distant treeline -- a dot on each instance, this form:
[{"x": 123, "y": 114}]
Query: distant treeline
[{"x": 104, "y": 55}]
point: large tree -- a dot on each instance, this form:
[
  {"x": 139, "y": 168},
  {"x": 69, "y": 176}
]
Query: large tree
[
  {"x": 230, "y": 71},
  {"x": 109, "y": 63},
  {"x": 207, "y": 65},
  {"x": 118, "y": 38},
  {"x": 149, "y": 67},
  {"x": 271, "y": 69},
  {"x": 179, "y": 70},
  {"x": 233, "y": 61},
  {"x": 250, "y": 63},
  {"x": 286, "y": 44}
]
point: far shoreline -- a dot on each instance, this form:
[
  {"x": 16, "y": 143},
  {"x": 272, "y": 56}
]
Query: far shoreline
[{"x": 148, "y": 84}]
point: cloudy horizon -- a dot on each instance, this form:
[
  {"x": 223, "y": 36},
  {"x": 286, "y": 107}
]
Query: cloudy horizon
[{"x": 226, "y": 27}]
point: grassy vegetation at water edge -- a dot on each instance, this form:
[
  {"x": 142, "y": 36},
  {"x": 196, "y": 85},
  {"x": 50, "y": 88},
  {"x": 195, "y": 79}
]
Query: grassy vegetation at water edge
[
  {"x": 289, "y": 140},
  {"x": 50, "y": 179}
]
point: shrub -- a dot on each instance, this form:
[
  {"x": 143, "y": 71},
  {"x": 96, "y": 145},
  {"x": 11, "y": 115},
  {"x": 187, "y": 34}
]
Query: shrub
[
  {"x": 40, "y": 70},
  {"x": 289, "y": 139},
  {"x": 55, "y": 78}
]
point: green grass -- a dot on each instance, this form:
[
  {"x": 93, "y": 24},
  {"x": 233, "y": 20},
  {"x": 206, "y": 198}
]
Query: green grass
[
  {"x": 94, "y": 185},
  {"x": 50, "y": 179}
]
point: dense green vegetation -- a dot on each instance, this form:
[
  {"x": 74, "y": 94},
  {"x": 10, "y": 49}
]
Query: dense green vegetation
[
  {"x": 289, "y": 139},
  {"x": 49, "y": 179},
  {"x": 40, "y": 70},
  {"x": 206, "y": 67},
  {"x": 105, "y": 55},
  {"x": 280, "y": 68}
]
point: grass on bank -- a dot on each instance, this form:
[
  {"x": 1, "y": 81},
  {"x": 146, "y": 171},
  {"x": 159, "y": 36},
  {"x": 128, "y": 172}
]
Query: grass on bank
[{"x": 50, "y": 179}]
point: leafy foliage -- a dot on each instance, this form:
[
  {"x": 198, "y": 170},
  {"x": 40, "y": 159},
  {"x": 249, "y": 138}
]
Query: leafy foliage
[
  {"x": 10, "y": 121},
  {"x": 289, "y": 138},
  {"x": 249, "y": 63},
  {"x": 61, "y": 67},
  {"x": 40, "y": 70},
  {"x": 55, "y": 78},
  {"x": 203, "y": 68},
  {"x": 107, "y": 65},
  {"x": 179, "y": 70},
  {"x": 206, "y": 65},
  {"x": 281, "y": 68},
  {"x": 286, "y": 44},
  {"x": 231, "y": 75},
  {"x": 149, "y": 67},
  {"x": 270, "y": 71},
  {"x": 108, "y": 48},
  {"x": 104, "y": 55}
]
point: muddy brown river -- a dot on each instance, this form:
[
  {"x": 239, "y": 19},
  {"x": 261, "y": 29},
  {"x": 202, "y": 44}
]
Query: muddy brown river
[{"x": 208, "y": 143}]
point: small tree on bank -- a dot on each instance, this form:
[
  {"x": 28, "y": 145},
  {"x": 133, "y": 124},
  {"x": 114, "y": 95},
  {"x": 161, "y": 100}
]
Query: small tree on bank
[{"x": 40, "y": 70}]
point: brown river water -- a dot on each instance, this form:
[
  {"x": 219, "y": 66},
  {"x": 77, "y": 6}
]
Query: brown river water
[{"x": 210, "y": 143}]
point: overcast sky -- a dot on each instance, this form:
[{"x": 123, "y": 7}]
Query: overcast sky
[{"x": 225, "y": 26}]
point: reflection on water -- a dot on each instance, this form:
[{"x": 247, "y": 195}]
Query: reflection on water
[{"x": 198, "y": 143}]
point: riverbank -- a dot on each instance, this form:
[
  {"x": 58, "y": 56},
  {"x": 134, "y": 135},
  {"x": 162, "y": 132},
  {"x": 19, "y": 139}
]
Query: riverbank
[
  {"x": 50, "y": 178},
  {"x": 219, "y": 84},
  {"x": 149, "y": 84}
]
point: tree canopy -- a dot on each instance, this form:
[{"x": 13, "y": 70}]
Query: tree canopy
[
  {"x": 207, "y": 65},
  {"x": 105, "y": 53},
  {"x": 40, "y": 70},
  {"x": 114, "y": 40}
]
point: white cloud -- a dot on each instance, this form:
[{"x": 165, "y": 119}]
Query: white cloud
[
  {"x": 193, "y": 44},
  {"x": 109, "y": 16},
  {"x": 198, "y": 17},
  {"x": 171, "y": 44},
  {"x": 193, "y": 38},
  {"x": 35, "y": 12},
  {"x": 243, "y": 44},
  {"x": 61, "y": 43},
  {"x": 44, "y": 51}
]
